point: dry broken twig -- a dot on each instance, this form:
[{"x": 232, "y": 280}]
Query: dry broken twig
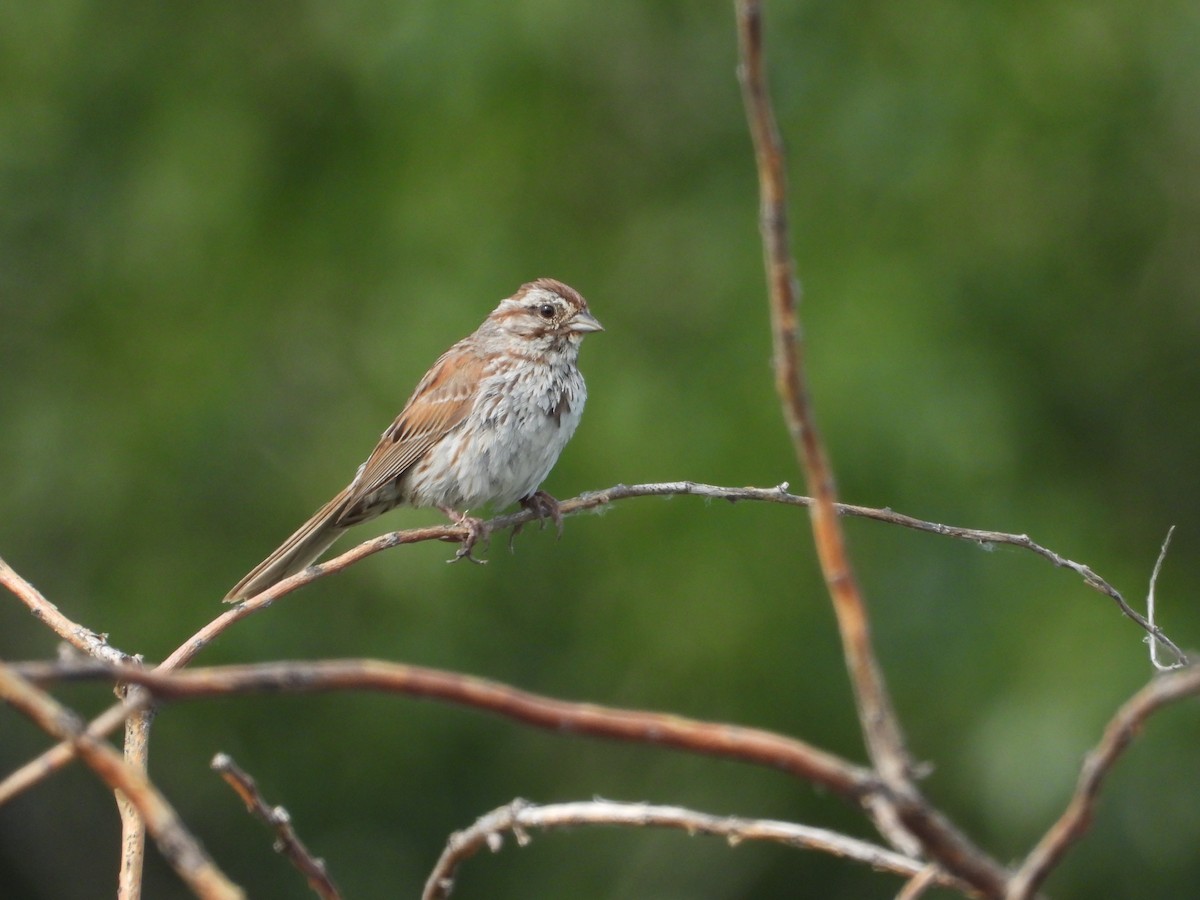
[
  {"x": 519, "y": 817},
  {"x": 287, "y": 841}
]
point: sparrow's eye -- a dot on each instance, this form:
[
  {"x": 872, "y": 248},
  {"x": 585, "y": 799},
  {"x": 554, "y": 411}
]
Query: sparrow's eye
[{"x": 546, "y": 310}]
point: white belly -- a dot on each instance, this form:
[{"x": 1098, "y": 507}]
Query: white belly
[{"x": 506, "y": 446}]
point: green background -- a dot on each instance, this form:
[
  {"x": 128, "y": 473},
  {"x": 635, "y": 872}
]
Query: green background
[{"x": 233, "y": 236}]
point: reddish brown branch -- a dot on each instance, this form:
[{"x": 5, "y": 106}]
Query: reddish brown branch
[
  {"x": 877, "y": 718},
  {"x": 287, "y": 841},
  {"x": 750, "y": 745},
  {"x": 1077, "y": 817},
  {"x": 519, "y": 817},
  {"x": 181, "y": 850},
  {"x": 880, "y": 726}
]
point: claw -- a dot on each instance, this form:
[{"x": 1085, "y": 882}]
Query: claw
[
  {"x": 544, "y": 507},
  {"x": 476, "y": 531}
]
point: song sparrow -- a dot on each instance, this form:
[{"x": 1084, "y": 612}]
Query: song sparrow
[{"x": 484, "y": 426}]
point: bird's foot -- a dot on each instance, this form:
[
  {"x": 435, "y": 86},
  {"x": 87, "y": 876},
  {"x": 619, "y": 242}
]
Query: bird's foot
[
  {"x": 476, "y": 531},
  {"x": 544, "y": 507}
]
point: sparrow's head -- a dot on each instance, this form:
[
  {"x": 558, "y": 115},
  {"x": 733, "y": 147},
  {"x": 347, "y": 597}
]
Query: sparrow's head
[{"x": 546, "y": 309}]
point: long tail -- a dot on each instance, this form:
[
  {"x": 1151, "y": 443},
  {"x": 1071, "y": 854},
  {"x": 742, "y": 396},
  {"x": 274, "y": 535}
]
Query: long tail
[{"x": 297, "y": 553}]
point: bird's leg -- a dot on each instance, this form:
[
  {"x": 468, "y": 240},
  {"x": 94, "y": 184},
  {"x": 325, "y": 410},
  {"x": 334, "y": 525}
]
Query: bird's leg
[
  {"x": 476, "y": 531},
  {"x": 544, "y": 507}
]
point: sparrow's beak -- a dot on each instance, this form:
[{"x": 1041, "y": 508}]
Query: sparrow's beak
[{"x": 583, "y": 321}]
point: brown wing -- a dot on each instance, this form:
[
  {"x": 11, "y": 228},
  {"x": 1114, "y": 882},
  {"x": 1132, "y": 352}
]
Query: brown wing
[{"x": 441, "y": 401}]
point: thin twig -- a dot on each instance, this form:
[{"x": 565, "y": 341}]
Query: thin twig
[
  {"x": 180, "y": 849},
  {"x": 601, "y": 499},
  {"x": 1154, "y": 660},
  {"x": 277, "y": 818},
  {"x": 1118, "y": 735},
  {"x": 750, "y": 745},
  {"x": 519, "y": 816},
  {"x": 987, "y": 538},
  {"x": 780, "y": 494}
]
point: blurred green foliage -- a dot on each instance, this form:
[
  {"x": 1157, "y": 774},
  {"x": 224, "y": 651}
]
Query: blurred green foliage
[{"x": 233, "y": 236}]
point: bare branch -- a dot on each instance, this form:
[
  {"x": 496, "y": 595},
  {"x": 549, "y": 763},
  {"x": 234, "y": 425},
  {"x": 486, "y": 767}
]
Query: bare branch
[
  {"x": 84, "y": 639},
  {"x": 779, "y": 494},
  {"x": 287, "y": 841},
  {"x": 178, "y": 846},
  {"x": 750, "y": 745},
  {"x": 519, "y": 816},
  {"x": 586, "y": 502},
  {"x": 133, "y": 824},
  {"x": 602, "y": 499},
  {"x": 1118, "y": 735},
  {"x": 880, "y": 726},
  {"x": 988, "y": 538}
]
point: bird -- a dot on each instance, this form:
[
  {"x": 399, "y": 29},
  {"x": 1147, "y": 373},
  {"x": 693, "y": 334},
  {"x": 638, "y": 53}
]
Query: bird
[{"x": 483, "y": 427}]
